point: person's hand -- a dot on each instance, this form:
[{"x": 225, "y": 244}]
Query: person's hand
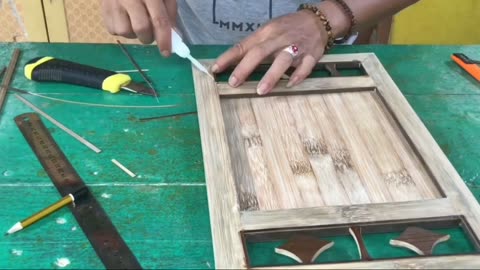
[
  {"x": 302, "y": 29},
  {"x": 147, "y": 20}
]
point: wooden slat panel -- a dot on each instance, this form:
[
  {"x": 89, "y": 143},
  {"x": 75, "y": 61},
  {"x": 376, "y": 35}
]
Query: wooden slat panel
[
  {"x": 437, "y": 262},
  {"x": 342, "y": 156},
  {"x": 327, "y": 170},
  {"x": 443, "y": 171},
  {"x": 284, "y": 162},
  {"x": 361, "y": 162},
  {"x": 420, "y": 175},
  {"x": 328, "y": 215},
  {"x": 222, "y": 196},
  {"x": 393, "y": 174},
  {"x": 331, "y": 84}
]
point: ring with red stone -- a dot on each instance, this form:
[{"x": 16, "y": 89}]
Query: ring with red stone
[{"x": 292, "y": 50}]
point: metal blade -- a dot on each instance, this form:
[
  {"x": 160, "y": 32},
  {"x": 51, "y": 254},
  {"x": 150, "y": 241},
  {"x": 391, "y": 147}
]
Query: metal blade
[{"x": 139, "y": 89}]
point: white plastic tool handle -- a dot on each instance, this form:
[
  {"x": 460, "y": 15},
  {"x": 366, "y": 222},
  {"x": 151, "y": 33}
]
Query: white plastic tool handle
[{"x": 178, "y": 46}]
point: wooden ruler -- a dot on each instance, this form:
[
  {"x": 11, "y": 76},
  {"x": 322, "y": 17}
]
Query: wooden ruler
[
  {"x": 8, "y": 77},
  {"x": 102, "y": 234}
]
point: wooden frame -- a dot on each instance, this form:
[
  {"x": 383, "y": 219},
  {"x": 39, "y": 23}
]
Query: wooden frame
[{"x": 235, "y": 212}]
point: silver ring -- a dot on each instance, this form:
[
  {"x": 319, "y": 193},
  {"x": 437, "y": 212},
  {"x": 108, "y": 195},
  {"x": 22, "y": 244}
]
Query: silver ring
[{"x": 292, "y": 50}]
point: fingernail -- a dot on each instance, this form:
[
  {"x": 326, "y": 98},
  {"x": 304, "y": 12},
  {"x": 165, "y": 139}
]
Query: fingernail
[
  {"x": 262, "y": 88},
  {"x": 233, "y": 81},
  {"x": 214, "y": 68},
  {"x": 165, "y": 53},
  {"x": 292, "y": 82}
]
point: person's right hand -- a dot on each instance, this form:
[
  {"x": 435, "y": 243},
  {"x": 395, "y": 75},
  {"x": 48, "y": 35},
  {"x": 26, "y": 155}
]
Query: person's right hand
[{"x": 147, "y": 20}]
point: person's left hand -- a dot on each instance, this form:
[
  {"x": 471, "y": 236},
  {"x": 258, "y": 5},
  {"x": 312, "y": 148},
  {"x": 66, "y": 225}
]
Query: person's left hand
[{"x": 302, "y": 29}]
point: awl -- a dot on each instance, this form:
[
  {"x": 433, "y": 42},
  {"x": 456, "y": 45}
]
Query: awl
[{"x": 50, "y": 69}]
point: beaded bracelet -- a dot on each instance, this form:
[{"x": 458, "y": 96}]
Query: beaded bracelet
[
  {"x": 325, "y": 22},
  {"x": 349, "y": 13}
]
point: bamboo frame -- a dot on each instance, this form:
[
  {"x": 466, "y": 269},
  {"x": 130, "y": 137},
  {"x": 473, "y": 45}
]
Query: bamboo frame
[{"x": 445, "y": 196}]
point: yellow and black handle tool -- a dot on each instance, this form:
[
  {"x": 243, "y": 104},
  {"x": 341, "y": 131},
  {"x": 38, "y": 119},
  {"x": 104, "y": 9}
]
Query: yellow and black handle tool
[
  {"x": 50, "y": 69},
  {"x": 469, "y": 65}
]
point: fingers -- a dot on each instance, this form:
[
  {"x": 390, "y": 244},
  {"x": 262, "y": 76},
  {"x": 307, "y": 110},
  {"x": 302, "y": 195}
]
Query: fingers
[
  {"x": 121, "y": 23},
  {"x": 281, "y": 63},
  {"x": 233, "y": 55},
  {"x": 161, "y": 25},
  {"x": 302, "y": 71},
  {"x": 171, "y": 6},
  {"x": 250, "y": 61},
  {"x": 140, "y": 21}
]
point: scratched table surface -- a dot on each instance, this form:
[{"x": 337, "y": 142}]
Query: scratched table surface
[{"x": 162, "y": 213}]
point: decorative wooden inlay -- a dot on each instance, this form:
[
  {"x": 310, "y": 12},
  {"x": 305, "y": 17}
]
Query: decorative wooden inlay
[
  {"x": 419, "y": 240},
  {"x": 304, "y": 248},
  {"x": 356, "y": 233}
]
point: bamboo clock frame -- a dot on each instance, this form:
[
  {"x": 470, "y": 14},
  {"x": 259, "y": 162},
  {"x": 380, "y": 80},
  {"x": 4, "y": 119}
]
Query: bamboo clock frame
[{"x": 262, "y": 164}]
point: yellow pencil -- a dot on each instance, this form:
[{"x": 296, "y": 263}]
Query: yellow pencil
[{"x": 47, "y": 211}]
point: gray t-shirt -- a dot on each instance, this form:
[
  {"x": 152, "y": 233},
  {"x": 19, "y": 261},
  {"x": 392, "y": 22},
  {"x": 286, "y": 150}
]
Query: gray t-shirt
[{"x": 227, "y": 21}]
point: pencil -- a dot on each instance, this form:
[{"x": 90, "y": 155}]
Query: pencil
[{"x": 70, "y": 198}]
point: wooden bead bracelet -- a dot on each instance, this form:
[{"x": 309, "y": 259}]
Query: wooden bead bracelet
[{"x": 325, "y": 22}]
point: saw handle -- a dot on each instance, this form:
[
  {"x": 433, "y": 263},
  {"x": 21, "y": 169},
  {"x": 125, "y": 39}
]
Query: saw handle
[{"x": 49, "y": 69}]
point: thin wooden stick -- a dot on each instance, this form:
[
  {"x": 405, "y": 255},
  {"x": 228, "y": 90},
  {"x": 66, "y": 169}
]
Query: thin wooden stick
[
  {"x": 58, "y": 124},
  {"x": 8, "y": 77},
  {"x": 123, "y": 168}
]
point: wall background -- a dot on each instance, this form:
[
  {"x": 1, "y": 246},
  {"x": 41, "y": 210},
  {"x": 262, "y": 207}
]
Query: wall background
[{"x": 427, "y": 22}]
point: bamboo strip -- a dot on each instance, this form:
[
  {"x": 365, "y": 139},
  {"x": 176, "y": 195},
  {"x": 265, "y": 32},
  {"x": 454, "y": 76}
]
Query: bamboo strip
[
  {"x": 396, "y": 177},
  {"x": 284, "y": 145},
  {"x": 365, "y": 166},
  {"x": 247, "y": 128},
  {"x": 316, "y": 147},
  {"x": 412, "y": 162},
  {"x": 328, "y": 215},
  {"x": 344, "y": 159},
  {"x": 244, "y": 180},
  {"x": 330, "y": 84},
  {"x": 436, "y": 262},
  {"x": 222, "y": 195}
]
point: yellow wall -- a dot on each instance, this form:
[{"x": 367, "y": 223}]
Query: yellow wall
[{"x": 438, "y": 22}]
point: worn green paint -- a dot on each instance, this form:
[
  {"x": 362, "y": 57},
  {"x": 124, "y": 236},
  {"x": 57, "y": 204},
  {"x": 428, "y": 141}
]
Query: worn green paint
[{"x": 163, "y": 213}]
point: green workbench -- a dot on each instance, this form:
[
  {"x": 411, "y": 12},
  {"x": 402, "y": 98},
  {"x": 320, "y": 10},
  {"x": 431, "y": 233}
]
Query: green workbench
[{"x": 162, "y": 213}]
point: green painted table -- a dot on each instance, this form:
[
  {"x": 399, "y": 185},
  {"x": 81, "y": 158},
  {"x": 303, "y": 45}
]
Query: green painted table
[{"x": 162, "y": 213}]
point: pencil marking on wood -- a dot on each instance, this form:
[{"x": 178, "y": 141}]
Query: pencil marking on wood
[
  {"x": 399, "y": 178},
  {"x": 342, "y": 160}
]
